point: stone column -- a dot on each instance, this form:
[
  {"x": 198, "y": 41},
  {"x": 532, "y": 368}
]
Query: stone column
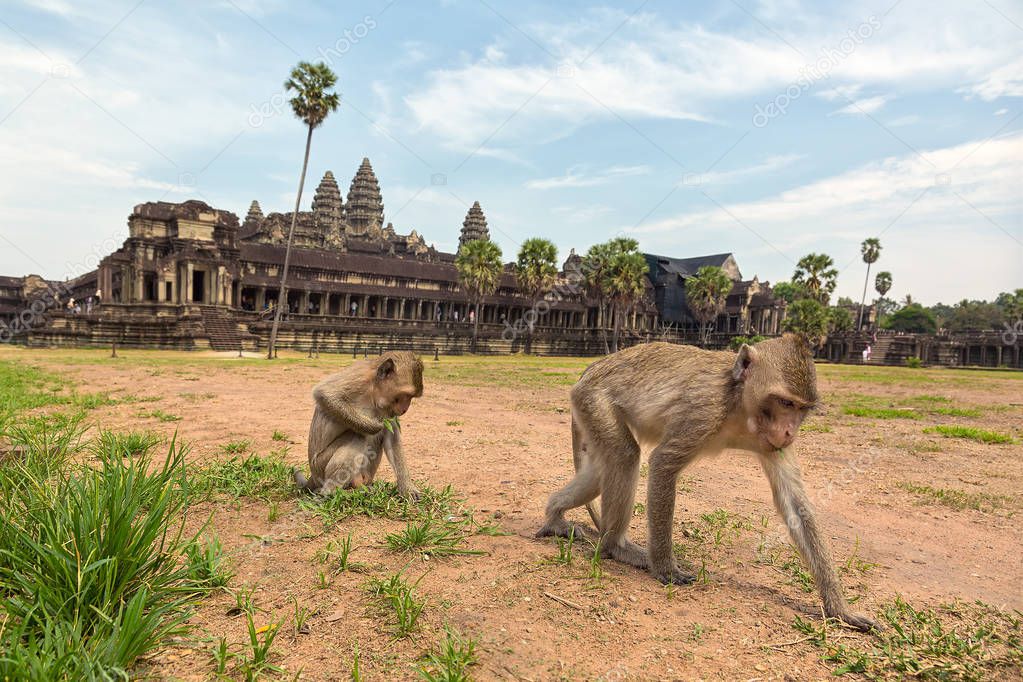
[
  {"x": 189, "y": 275},
  {"x": 419, "y": 309}
]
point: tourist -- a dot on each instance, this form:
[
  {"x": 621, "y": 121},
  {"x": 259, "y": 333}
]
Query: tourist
[
  {"x": 99, "y": 297},
  {"x": 455, "y": 315},
  {"x": 867, "y": 352},
  {"x": 354, "y": 309},
  {"x": 440, "y": 313},
  {"x": 88, "y": 306},
  {"x": 472, "y": 316},
  {"x": 71, "y": 305}
]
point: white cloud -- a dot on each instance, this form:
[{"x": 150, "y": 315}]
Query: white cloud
[
  {"x": 1001, "y": 112},
  {"x": 841, "y": 92},
  {"x": 907, "y": 120},
  {"x": 938, "y": 232},
  {"x": 862, "y": 107},
  {"x": 768, "y": 165},
  {"x": 1005, "y": 81},
  {"x": 577, "y": 177}
]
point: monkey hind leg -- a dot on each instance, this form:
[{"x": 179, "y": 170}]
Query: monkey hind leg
[
  {"x": 303, "y": 483},
  {"x": 582, "y": 490}
]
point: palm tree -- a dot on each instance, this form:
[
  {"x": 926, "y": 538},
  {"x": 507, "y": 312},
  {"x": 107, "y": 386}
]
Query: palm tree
[
  {"x": 536, "y": 270},
  {"x": 706, "y": 294},
  {"x": 624, "y": 280},
  {"x": 312, "y": 103},
  {"x": 595, "y": 266},
  {"x": 882, "y": 284},
  {"x": 816, "y": 272},
  {"x": 479, "y": 272},
  {"x": 870, "y": 249}
]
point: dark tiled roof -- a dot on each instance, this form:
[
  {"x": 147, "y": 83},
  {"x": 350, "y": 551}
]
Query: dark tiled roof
[{"x": 686, "y": 267}]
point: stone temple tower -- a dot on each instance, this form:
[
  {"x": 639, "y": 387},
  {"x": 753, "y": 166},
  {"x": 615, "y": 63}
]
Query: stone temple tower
[
  {"x": 328, "y": 211},
  {"x": 365, "y": 210},
  {"x": 475, "y": 226}
]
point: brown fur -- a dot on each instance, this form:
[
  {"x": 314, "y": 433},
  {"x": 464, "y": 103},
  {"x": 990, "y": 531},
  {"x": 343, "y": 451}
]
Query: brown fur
[
  {"x": 347, "y": 434},
  {"x": 685, "y": 403}
]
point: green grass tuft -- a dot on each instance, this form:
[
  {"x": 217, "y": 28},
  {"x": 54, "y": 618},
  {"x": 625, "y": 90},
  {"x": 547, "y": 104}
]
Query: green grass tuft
[
  {"x": 970, "y": 433},
  {"x": 881, "y": 412},
  {"x": 429, "y": 537},
  {"x": 451, "y": 662},
  {"x": 129, "y": 444},
  {"x": 958, "y": 499},
  {"x": 267, "y": 478}
]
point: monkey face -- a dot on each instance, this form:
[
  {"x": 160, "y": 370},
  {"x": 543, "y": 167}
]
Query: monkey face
[{"x": 777, "y": 420}]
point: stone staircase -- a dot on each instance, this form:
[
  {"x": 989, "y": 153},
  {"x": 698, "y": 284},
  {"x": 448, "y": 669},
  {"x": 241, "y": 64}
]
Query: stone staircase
[{"x": 222, "y": 331}]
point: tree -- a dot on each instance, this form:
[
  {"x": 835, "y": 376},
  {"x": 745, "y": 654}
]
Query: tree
[
  {"x": 913, "y": 318},
  {"x": 809, "y": 317},
  {"x": 817, "y": 274},
  {"x": 882, "y": 285},
  {"x": 706, "y": 294},
  {"x": 839, "y": 320},
  {"x": 870, "y": 249},
  {"x": 624, "y": 281},
  {"x": 312, "y": 103},
  {"x": 479, "y": 272},
  {"x": 536, "y": 270},
  {"x": 595, "y": 266},
  {"x": 789, "y": 292},
  {"x": 1011, "y": 304}
]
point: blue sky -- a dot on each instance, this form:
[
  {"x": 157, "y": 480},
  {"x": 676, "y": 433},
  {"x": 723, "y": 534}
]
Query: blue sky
[{"x": 769, "y": 129}]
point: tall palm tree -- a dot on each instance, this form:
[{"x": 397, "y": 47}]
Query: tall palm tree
[
  {"x": 706, "y": 295},
  {"x": 870, "y": 249},
  {"x": 595, "y": 266},
  {"x": 816, "y": 272},
  {"x": 624, "y": 281},
  {"x": 536, "y": 271},
  {"x": 312, "y": 103},
  {"x": 479, "y": 272},
  {"x": 882, "y": 284}
]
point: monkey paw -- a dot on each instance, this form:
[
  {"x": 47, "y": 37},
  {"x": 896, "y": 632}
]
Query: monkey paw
[
  {"x": 675, "y": 576},
  {"x": 411, "y": 494}
]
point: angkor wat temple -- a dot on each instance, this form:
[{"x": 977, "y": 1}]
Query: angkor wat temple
[{"x": 190, "y": 276}]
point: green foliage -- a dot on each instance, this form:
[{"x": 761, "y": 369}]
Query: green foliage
[
  {"x": 397, "y": 594},
  {"x": 208, "y": 567},
  {"x": 883, "y": 283},
  {"x": 789, "y": 292},
  {"x": 870, "y": 249},
  {"x": 816, "y": 273},
  {"x": 236, "y": 447},
  {"x": 881, "y": 412},
  {"x": 706, "y": 293},
  {"x": 736, "y": 342},
  {"x": 381, "y": 499},
  {"x": 430, "y": 538},
  {"x": 953, "y": 642},
  {"x": 279, "y": 436},
  {"x": 536, "y": 268},
  {"x": 911, "y": 318},
  {"x": 958, "y": 499},
  {"x": 313, "y": 101},
  {"x": 91, "y": 561},
  {"x": 159, "y": 415},
  {"x": 479, "y": 268},
  {"x": 970, "y": 433},
  {"x": 452, "y": 661},
  {"x": 266, "y": 478},
  {"x": 839, "y": 320},
  {"x": 914, "y": 363},
  {"x": 809, "y": 317},
  {"x": 129, "y": 444}
]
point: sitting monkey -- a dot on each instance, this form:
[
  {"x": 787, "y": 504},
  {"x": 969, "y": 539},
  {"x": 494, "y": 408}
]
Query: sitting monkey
[
  {"x": 348, "y": 431},
  {"x": 687, "y": 403}
]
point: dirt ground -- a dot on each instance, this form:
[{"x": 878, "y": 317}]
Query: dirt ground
[{"x": 497, "y": 430}]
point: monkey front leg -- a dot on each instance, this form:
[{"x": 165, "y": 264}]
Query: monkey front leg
[
  {"x": 396, "y": 456},
  {"x": 792, "y": 503},
  {"x": 662, "y": 482}
]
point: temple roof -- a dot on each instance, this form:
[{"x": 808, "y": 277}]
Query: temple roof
[
  {"x": 687, "y": 267},
  {"x": 365, "y": 209},
  {"x": 189, "y": 210}
]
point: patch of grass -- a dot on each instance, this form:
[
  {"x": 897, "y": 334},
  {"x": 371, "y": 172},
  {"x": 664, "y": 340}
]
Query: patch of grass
[
  {"x": 956, "y": 411},
  {"x": 381, "y": 499},
  {"x": 455, "y": 423},
  {"x": 266, "y": 478},
  {"x": 451, "y": 661},
  {"x": 400, "y": 597},
  {"x": 159, "y": 415},
  {"x": 236, "y": 447},
  {"x": 255, "y": 663},
  {"x": 952, "y": 642},
  {"x": 208, "y": 567},
  {"x": 197, "y": 397},
  {"x": 814, "y": 427},
  {"x": 564, "y": 557},
  {"x": 26, "y": 388},
  {"x": 970, "y": 433},
  {"x": 881, "y": 412},
  {"x": 91, "y": 562},
  {"x": 957, "y": 499},
  {"x": 92, "y": 401},
  {"x": 130, "y": 444},
  {"x": 928, "y": 398},
  {"x": 429, "y": 537},
  {"x": 279, "y": 436},
  {"x": 337, "y": 555}
]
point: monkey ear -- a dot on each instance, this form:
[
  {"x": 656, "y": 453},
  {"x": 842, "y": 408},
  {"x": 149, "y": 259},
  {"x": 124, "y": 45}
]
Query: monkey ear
[
  {"x": 743, "y": 361},
  {"x": 385, "y": 369}
]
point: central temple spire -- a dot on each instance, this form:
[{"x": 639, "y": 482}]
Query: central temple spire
[
  {"x": 475, "y": 225},
  {"x": 365, "y": 210}
]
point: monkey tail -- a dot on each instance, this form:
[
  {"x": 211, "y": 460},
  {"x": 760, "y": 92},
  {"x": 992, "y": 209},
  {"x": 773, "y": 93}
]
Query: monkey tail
[{"x": 577, "y": 459}]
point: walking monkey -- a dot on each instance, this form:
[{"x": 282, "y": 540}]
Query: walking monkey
[
  {"x": 687, "y": 403},
  {"x": 348, "y": 432}
]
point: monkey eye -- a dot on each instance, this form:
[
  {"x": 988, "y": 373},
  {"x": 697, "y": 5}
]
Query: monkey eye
[{"x": 786, "y": 403}]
